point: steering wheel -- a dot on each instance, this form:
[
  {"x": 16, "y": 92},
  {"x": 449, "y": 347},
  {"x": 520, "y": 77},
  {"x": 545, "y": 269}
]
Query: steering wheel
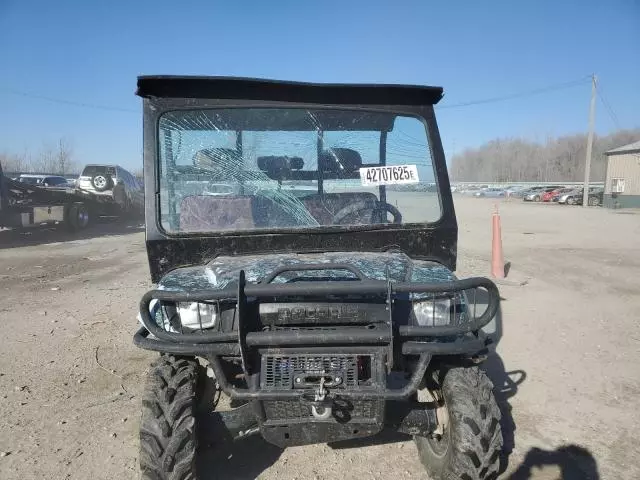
[{"x": 378, "y": 209}]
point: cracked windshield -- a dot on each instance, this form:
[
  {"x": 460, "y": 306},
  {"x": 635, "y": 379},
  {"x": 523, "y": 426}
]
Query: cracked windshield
[{"x": 275, "y": 168}]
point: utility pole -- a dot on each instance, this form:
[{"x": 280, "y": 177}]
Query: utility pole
[{"x": 587, "y": 163}]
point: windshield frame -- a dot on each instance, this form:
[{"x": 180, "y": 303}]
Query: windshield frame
[{"x": 435, "y": 241}]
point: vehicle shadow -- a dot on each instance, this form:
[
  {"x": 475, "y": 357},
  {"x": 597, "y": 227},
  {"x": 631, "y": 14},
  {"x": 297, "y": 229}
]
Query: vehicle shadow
[
  {"x": 220, "y": 457},
  {"x": 27, "y": 237},
  {"x": 505, "y": 383},
  {"x": 385, "y": 437},
  {"x": 573, "y": 461},
  {"x": 505, "y": 386}
]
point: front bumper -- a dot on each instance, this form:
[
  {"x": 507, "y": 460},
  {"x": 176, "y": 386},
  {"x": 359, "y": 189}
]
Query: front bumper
[{"x": 395, "y": 338}]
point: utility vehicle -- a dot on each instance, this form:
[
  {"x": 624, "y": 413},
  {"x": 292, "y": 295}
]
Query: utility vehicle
[{"x": 319, "y": 293}]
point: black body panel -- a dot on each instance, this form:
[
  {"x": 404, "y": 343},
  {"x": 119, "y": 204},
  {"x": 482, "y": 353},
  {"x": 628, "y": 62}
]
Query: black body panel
[{"x": 437, "y": 244}]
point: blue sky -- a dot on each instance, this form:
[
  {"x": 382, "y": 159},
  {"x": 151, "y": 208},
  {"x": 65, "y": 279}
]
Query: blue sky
[{"x": 91, "y": 52}]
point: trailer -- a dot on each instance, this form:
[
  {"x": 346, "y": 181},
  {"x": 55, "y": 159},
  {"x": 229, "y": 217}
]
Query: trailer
[{"x": 23, "y": 205}]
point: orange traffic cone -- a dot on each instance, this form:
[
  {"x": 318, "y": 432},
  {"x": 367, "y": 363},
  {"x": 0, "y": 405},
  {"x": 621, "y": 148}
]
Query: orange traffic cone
[{"x": 497, "y": 259}]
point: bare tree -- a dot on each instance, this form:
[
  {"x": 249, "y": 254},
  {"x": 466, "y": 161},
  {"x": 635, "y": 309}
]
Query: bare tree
[
  {"x": 46, "y": 160},
  {"x": 64, "y": 157},
  {"x": 57, "y": 159},
  {"x": 554, "y": 159},
  {"x": 14, "y": 163},
  {"x": 52, "y": 158}
]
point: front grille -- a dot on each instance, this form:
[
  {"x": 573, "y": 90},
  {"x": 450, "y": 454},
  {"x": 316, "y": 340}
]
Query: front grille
[
  {"x": 278, "y": 371},
  {"x": 343, "y": 409}
]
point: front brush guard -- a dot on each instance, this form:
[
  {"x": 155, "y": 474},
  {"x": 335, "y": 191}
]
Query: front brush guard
[{"x": 422, "y": 341}]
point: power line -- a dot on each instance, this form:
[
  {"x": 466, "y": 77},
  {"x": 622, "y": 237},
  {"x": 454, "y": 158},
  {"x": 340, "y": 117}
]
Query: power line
[
  {"x": 528, "y": 93},
  {"x": 610, "y": 111},
  {"x": 66, "y": 102}
]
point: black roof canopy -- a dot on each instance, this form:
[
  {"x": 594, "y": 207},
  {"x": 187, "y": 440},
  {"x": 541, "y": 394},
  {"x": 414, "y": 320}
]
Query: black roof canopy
[{"x": 230, "y": 88}]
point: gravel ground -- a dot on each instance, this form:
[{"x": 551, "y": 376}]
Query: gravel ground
[{"x": 566, "y": 370}]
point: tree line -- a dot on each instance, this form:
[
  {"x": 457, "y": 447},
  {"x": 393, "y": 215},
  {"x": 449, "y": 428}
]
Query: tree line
[
  {"x": 56, "y": 158},
  {"x": 521, "y": 160}
]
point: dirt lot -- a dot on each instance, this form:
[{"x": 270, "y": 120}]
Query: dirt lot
[{"x": 567, "y": 374}]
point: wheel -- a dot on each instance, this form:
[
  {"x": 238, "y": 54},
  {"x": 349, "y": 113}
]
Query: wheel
[
  {"x": 571, "y": 201},
  {"x": 77, "y": 217},
  {"x": 471, "y": 440},
  {"x": 101, "y": 182},
  {"x": 168, "y": 439},
  {"x": 537, "y": 198},
  {"x": 594, "y": 201}
]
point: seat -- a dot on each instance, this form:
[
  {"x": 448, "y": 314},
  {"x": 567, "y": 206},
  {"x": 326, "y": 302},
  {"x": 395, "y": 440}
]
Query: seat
[
  {"x": 205, "y": 213},
  {"x": 269, "y": 214}
]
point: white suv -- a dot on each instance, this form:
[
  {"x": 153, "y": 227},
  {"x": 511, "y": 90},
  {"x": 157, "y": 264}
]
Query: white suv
[{"x": 115, "y": 181}]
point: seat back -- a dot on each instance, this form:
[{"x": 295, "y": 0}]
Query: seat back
[{"x": 200, "y": 213}]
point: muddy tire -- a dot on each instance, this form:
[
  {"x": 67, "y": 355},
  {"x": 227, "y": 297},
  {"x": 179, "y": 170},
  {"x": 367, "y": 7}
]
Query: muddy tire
[
  {"x": 168, "y": 438},
  {"x": 470, "y": 446}
]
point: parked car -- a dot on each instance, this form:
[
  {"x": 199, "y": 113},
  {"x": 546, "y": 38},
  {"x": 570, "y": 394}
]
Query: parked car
[
  {"x": 490, "y": 192},
  {"x": 217, "y": 189},
  {"x": 526, "y": 191},
  {"x": 467, "y": 189},
  {"x": 536, "y": 194},
  {"x": 569, "y": 198},
  {"x": 575, "y": 197},
  {"x": 547, "y": 196},
  {"x": 518, "y": 192},
  {"x": 514, "y": 190},
  {"x": 560, "y": 192},
  {"x": 594, "y": 198},
  {"x": 43, "y": 180},
  {"x": 115, "y": 181}
]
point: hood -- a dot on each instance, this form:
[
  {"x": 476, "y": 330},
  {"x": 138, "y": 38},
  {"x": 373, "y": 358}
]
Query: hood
[{"x": 224, "y": 271}]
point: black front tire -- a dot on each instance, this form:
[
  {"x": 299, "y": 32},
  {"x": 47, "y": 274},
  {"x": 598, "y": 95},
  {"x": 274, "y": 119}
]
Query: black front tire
[
  {"x": 168, "y": 429},
  {"x": 472, "y": 439}
]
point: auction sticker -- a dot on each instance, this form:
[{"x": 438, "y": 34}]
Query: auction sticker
[{"x": 391, "y": 175}]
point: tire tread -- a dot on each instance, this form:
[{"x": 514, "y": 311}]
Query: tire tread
[
  {"x": 168, "y": 428},
  {"x": 474, "y": 422}
]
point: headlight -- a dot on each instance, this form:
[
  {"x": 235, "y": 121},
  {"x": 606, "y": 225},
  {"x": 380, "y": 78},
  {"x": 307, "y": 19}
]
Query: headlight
[
  {"x": 190, "y": 316},
  {"x": 438, "y": 312},
  {"x": 197, "y": 315}
]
